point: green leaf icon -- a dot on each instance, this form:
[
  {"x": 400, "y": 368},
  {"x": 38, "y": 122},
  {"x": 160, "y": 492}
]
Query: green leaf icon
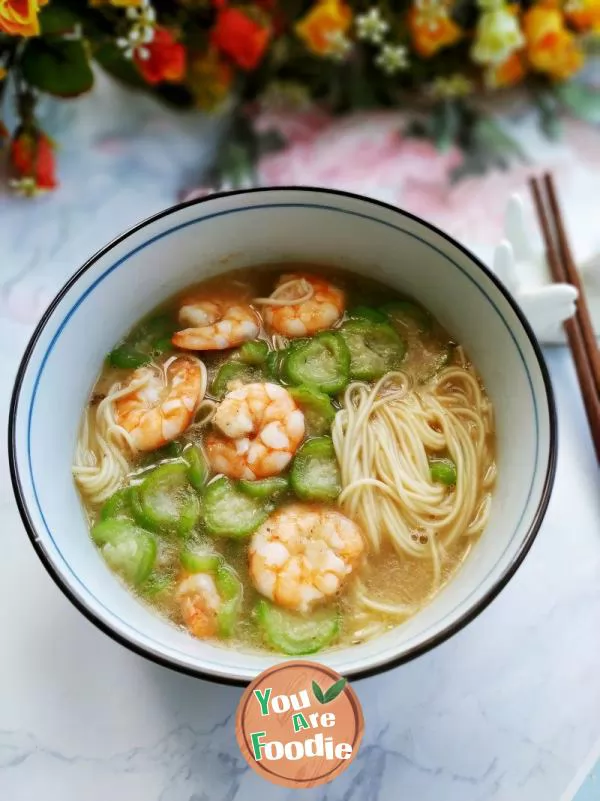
[
  {"x": 334, "y": 690},
  {"x": 318, "y": 693}
]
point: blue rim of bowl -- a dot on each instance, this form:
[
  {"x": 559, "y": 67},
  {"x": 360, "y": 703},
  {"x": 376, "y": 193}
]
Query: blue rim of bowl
[{"x": 413, "y": 652}]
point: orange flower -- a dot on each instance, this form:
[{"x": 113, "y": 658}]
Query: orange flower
[
  {"x": 319, "y": 27},
  {"x": 209, "y": 79},
  {"x": 509, "y": 73},
  {"x": 162, "y": 59},
  {"x": 240, "y": 38},
  {"x": 32, "y": 161},
  {"x": 551, "y": 48},
  {"x": 20, "y": 17},
  {"x": 429, "y": 36},
  {"x": 584, "y": 14}
]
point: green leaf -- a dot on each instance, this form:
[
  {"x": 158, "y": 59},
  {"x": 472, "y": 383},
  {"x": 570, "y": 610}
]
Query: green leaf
[
  {"x": 445, "y": 124},
  {"x": 57, "y": 66},
  {"x": 111, "y": 59},
  {"x": 318, "y": 693},
  {"x": 581, "y": 100},
  {"x": 56, "y": 19},
  {"x": 335, "y": 689}
]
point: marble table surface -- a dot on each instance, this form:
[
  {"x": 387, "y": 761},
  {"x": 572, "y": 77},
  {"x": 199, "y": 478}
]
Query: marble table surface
[{"x": 507, "y": 710}]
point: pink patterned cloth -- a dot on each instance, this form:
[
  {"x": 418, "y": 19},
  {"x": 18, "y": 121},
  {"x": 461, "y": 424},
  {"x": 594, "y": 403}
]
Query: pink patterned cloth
[{"x": 368, "y": 153}]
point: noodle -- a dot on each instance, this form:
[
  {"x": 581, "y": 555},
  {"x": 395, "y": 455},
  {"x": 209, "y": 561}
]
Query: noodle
[
  {"x": 383, "y": 437},
  {"x": 289, "y": 293}
]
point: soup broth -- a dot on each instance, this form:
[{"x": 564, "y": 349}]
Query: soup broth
[{"x": 289, "y": 458}]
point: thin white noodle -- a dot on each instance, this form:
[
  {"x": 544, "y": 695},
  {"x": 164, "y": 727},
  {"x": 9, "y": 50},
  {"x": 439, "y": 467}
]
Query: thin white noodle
[
  {"x": 384, "y": 436},
  {"x": 290, "y": 293}
]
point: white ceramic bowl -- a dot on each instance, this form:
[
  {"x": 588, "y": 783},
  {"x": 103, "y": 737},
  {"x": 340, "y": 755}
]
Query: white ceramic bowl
[{"x": 200, "y": 239}]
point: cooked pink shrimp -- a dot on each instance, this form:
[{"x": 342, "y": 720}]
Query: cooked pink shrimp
[
  {"x": 161, "y": 405},
  {"x": 215, "y": 324},
  {"x": 260, "y": 428},
  {"x": 200, "y": 603},
  {"x": 314, "y": 305},
  {"x": 302, "y": 554}
]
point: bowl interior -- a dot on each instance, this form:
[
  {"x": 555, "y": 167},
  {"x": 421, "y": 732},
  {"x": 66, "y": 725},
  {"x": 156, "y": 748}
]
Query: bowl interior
[{"x": 183, "y": 246}]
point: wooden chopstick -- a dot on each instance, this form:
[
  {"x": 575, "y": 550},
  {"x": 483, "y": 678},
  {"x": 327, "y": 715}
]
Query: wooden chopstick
[
  {"x": 573, "y": 327},
  {"x": 572, "y": 277}
]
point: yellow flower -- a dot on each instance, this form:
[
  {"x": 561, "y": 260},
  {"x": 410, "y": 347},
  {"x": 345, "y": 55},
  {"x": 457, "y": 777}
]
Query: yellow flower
[
  {"x": 3, "y": 73},
  {"x": 509, "y": 73},
  {"x": 321, "y": 28},
  {"x": 583, "y": 14},
  {"x": 551, "y": 48},
  {"x": 20, "y": 17},
  {"x": 433, "y": 30},
  {"x": 209, "y": 78},
  {"x": 497, "y": 35}
]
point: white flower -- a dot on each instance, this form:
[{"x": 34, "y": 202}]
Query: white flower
[
  {"x": 497, "y": 36},
  {"x": 371, "y": 26},
  {"x": 392, "y": 58},
  {"x": 339, "y": 45}
]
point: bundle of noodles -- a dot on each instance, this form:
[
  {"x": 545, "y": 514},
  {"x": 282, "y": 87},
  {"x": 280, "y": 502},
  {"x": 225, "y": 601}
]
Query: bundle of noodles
[
  {"x": 384, "y": 437},
  {"x": 105, "y": 450}
]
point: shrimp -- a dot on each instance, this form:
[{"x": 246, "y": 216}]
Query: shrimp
[
  {"x": 161, "y": 404},
  {"x": 302, "y": 554},
  {"x": 200, "y": 603},
  {"x": 260, "y": 428},
  {"x": 215, "y": 324},
  {"x": 313, "y": 305}
]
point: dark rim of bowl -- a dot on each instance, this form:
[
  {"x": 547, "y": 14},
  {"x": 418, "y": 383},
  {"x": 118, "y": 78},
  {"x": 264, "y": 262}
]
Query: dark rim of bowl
[{"x": 412, "y": 653}]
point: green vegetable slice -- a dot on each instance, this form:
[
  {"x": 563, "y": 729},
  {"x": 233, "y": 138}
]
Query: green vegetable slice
[
  {"x": 169, "y": 451},
  {"x": 228, "y": 372},
  {"x": 198, "y": 470},
  {"x": 147, "y": 340},
  {"x": 127, "y": 549},
  {"x": 156, "y": 584},
  {"x": 274, "y": 364},
  {"x": 254, "y": 353},
  {"x": 119, "y": 505},
  {"x": 443, "y": 470},
  {"x": 230, "y": 589},
  {"x": 264, "y": 488},
  {"x": 295, "y": 634},
  {"x": 315, "y": 474},
  {"x": 168, "y": 502},
  {"x": 200, "y": 561},
  {"x": 229, "y": 512},
  {"x": 322, "y": 362},
  {"x": 367, "y": 313},
  {"x": 408, "y": 314},
  {"x": 375, "y": 348},
  {"x": 317, "y": 409}
]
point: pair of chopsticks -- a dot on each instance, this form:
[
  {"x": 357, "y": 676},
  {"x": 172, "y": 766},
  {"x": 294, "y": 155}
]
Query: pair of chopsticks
[{"x": 579, "y": 329}]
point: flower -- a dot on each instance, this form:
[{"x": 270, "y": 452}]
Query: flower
[
  {"x": 551, "y": 48},
  {"x": 3, "y": 73},
  {"x": 455, "y": 85},
  {"x": 392, "y": 58},
  {"x": 498, "y": 33},
  {"x": 340, "y": 45},
  {"x": 509, "y": 73},
  {"x": 431, "y": 28},
  {"x": 318, "y": 28},
  {"x": 162, "y": 59},
  {"x": 583, "y": 14},
  {"x": 240, "y": 38},
  {"x": 141, "y": 32},
  {"x": 32, "y": 161},
  {"x": 371, "y": 26},
  {"x": 20, "y": 17},
  {"x": 209, "y": 78}
]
